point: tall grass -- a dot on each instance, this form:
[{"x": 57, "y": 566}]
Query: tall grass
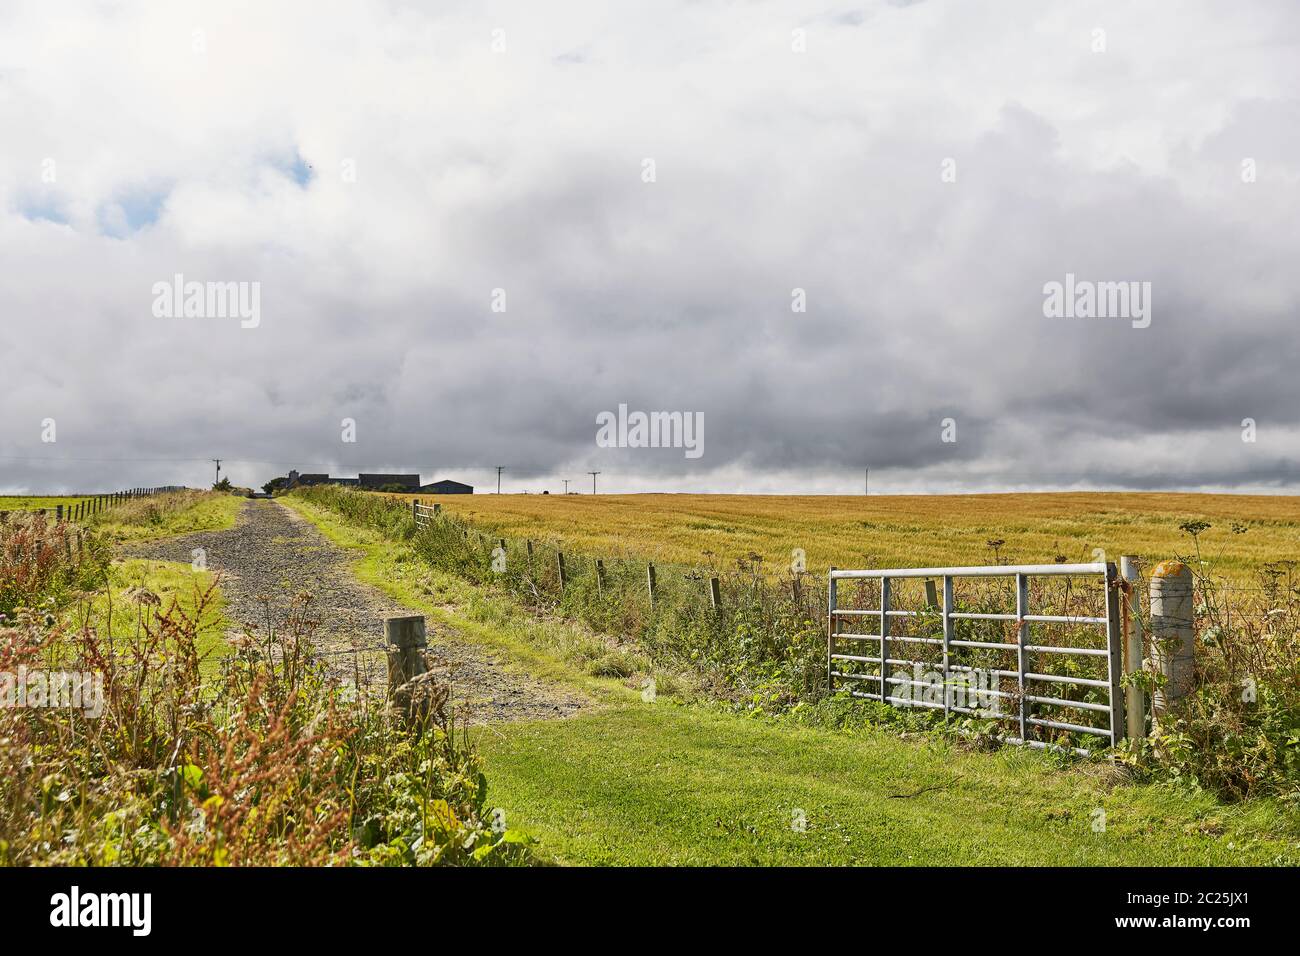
[
  {"x": 167, "y": 513},
  {"x": 1238, "y": 732},
  {"x": 268, "y": 762},
  {"x": 45, "y": 563}
]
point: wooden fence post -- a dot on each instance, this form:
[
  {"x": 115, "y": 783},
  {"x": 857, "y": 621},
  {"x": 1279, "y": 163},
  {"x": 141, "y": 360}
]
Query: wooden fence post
[
  {"x": 408, "y": 641},
  {"x": 600, "y": 576},
  {"x": 559, "y": 566},
  {"x": 58, "y": 512},
  {"x": 715, "y": 593},
  {"x": 650, "y": 583}
]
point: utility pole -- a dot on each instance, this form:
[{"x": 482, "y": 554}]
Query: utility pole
[
  {"x": 593, "y": 480},
  {"x": 499, "y": 467},
  {"x": 566, "y": 485},
  {"x": 218, "y": 462}
]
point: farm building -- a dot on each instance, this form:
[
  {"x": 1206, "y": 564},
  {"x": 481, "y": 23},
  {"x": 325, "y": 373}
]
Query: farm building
[
  {"x": 371, "y": 482},
  {"x": 295, "y": 480},
  {"x": 448, "y": 487},
  {"x": 375, "y": 482}
]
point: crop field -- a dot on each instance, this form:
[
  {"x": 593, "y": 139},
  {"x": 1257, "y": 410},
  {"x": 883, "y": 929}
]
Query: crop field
[{"x": 1245, "y": 531}]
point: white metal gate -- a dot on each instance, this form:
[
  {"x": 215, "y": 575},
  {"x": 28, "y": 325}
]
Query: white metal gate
[{"x": 1040, "y": 665}]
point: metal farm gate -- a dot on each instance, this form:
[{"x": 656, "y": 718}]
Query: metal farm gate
[{"x": 1049, "y": 676}]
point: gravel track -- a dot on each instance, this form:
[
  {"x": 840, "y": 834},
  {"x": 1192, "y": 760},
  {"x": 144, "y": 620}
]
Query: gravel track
[{"x": 273, "y": 554}]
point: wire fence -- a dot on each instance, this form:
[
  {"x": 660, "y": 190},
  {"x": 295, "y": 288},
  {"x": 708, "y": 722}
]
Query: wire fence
[{"x": 83, "y": 508}]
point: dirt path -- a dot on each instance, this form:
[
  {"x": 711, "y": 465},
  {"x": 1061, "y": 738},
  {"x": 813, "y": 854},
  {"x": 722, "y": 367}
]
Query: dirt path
[{"x": 274, "y": 554}]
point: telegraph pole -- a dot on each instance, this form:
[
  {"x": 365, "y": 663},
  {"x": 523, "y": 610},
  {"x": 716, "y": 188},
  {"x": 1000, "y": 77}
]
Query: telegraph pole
[
  {"x": 593, "y": 480},
  {"x": 218, "y": 463},
  {"x": 566, "y": 485},
  {"x": 866, "y": 481},
  {"x": 499, "y": 467}
]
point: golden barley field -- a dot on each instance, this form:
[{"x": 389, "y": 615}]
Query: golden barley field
[{"x": 1246, "y": 531}]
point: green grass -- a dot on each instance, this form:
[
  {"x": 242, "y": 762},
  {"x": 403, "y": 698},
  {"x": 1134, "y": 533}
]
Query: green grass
[
  {"x": 636, "y": 783},
  {"x": 170, "y": 581},
  {"x": 654, "y": 784},
  {"x": 141, "y": 519},
  {"x": 169, "y": 514}
]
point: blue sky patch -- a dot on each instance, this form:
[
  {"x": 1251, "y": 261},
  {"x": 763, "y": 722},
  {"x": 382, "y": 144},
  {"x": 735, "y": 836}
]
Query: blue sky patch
[
  {"x": 131, "y": 211},
  {"x": 296, "y": 168},
  {"x": 47, "y": 209}
]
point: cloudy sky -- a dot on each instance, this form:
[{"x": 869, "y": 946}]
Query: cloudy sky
[{"x": 474, "y": 226}]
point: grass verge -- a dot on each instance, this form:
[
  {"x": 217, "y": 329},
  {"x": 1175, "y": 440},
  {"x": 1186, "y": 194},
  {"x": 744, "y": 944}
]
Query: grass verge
[
  {"x": 124, "y": 606},
  {"x": 168, "y": 514},
  {"x": 653, "y": 784}
]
